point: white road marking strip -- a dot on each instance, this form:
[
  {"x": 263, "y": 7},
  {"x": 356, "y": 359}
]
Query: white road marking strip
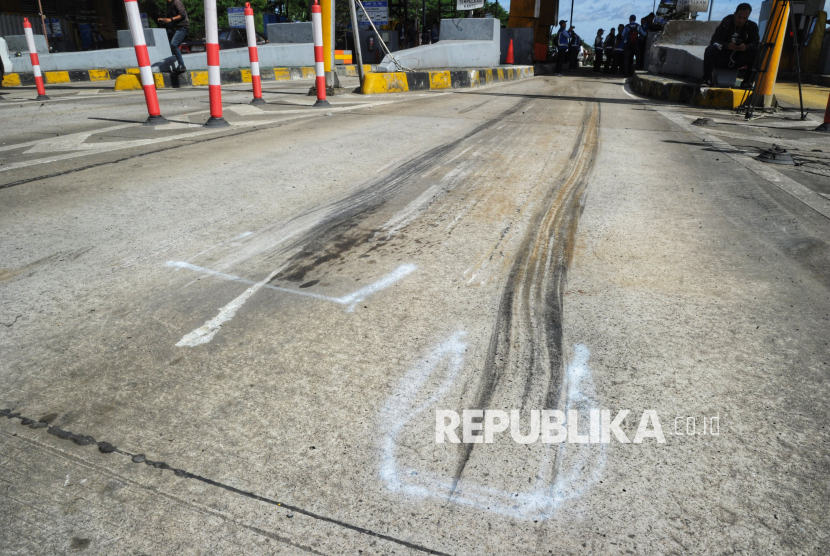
[
  {"x": 245, "y": 110},
  {"x": 61, "y": 143},
  {"x": 762, "y": 169},
  {"x": 35, "y": 142},
  {"x": 206, "y": 332}
]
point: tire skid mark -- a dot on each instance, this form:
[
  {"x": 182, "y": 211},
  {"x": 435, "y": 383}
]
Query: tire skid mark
[
  {"x": 527, "y": 338},
  {"x": 349, "y": 222}
]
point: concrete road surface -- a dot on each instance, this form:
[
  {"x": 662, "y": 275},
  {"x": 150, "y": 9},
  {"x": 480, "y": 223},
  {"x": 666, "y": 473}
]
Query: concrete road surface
[{"x": 239, "y": 340}]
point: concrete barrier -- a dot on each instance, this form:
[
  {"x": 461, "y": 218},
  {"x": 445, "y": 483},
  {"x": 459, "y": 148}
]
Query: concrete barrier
[
  {"x": 679, "y": 49},
  {"x": 158, "y": 48},
  {"x": 289, "y": 33},
  {"x": 464, "y": 43},
  {"x": 401, "y": 82},
  {"x": 674, "y": 90}
]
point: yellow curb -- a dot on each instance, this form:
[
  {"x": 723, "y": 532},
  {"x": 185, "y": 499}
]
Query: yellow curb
[
  {"x": 11, "y": 80},
  {"x": 308, "y": 73},
  {"x": 199, "y": 78},
  {"x": 474, "y": 82},
  {"x": 53, "y": 77},
  {"x": 127, "y": 82},
  {"x": 720, "y": 98},
  {"x": 439, "y": 80},
  {"x": 385, "y": 83},
  {"x": 246, "y": 75},
  {"x": 134, "y": 71},
  {"x": 159, "y": 79},
  {"x": 282, "y": 74},
  {"x": 99, "y": 75}
]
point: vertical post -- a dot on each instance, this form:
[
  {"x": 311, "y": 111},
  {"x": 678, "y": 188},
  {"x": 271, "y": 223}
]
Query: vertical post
[
  {"x": 796, "y": 47},
  {"x": 214, "y": 80},
  {"x": 357, "y": 45},
  {"x": 711, "y": 7},
  {"x": 319, "y": 63},
  {"x": 143, "y": 59},
  {"x": 327, "y": 15},
  {"x": 30, "y": 42},
  {"x": 43, "y": 23},
  {"x": 253, "y": 54},
  {"x": 776, "y": 30}
]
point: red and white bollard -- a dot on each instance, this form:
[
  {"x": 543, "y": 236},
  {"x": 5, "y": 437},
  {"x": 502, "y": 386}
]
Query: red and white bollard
[
  {"x": 253, "y": 54},
  {"x": 319, "y": 69},
  {"x": 825, "y": 127},
  {"x": 144, "y": 70},
  {"x": 214, "y": 82},
  {"x": 30, "y": 42}
]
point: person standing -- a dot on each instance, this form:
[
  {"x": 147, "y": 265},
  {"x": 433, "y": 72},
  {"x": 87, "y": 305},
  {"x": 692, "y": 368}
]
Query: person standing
[
  {"x": 574, "y": 48},
  {"x": 598, "y": 51},
  {"x": 610, "y": 42},
  {"x": 563, "y": 41},
  {"x": 177, "y": 22},
  {"x": 733, "y": 45},
  {"x": 617, "y": 65},
  {"x": 631, "y": 45}
]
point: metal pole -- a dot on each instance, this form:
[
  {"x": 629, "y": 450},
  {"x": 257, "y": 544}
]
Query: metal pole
[
  {"x": 424, "y": 8},
  {"x": 797, "y": 61},
  {"x": 572, "y": 13},
  {"x": 711, "y": 8},
  {"x": 357, "y": 45},
  {"x": 43, "y": 23}
]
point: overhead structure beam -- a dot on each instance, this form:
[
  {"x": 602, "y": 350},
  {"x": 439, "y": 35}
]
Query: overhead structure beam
[{"x": 539, "y": 15}]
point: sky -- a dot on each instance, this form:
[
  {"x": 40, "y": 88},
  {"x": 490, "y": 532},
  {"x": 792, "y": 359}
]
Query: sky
[{"x": 590, "y": 15}]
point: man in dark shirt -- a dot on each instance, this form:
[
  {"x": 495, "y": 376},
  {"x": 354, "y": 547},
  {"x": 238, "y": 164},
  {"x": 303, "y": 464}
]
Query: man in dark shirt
[
  {"x": 178, "y": 22},
  {"x": 734, "y": 44}
]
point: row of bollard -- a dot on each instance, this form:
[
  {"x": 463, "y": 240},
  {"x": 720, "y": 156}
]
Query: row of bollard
[{"x": 147, "y": 79}]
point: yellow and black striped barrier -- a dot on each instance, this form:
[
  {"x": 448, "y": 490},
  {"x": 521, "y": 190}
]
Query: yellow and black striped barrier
[{"x": 400, "y": 82}]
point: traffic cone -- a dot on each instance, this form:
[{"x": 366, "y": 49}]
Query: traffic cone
[
  {"x": 510, "y": 52},
  {"x": 825, "y": 127}
]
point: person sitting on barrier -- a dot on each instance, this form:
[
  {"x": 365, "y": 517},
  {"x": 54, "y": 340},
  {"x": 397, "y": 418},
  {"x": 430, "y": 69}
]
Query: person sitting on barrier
[
  {"x": 608, "y": 46},
  {"x": 178, "y": 22},
  {"x": 563, "y": 41},
  {"x": 734, "y": 44},
  {"x": 598, "y": 51}
]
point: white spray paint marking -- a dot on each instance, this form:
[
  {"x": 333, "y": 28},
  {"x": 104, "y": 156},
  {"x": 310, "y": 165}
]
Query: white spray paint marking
[
  {"x": 206, "y": 332},
  {"x": 577, "y": 467}
]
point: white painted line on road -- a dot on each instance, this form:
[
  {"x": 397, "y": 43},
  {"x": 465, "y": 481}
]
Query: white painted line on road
[
  {"x": 245, "y": 110},
  {"x": 206, "y": 332},
  {"x": 786, "y": 184}
]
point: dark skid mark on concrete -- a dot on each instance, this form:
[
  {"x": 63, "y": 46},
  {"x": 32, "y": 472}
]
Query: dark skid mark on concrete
[
  {"x": 331, "y": 239},
  {"x": 107, "y": 448},
  {"x": 534, "y": 291}
]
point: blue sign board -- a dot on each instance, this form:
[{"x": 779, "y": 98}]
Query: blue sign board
[
  {"x": 236, "y": 18},
  {"x": 378, "y": 11}
]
